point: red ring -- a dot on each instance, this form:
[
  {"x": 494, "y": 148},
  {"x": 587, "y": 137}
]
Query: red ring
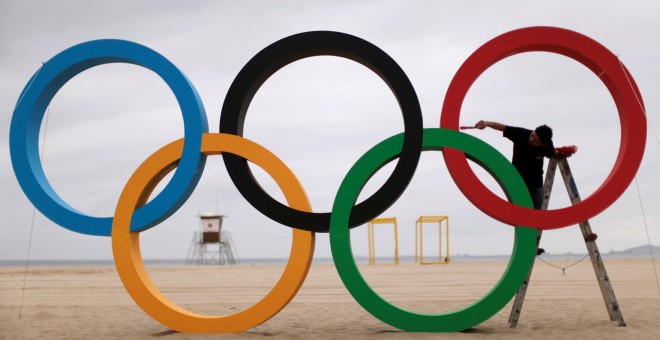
[{"x": 612, "y": 73}]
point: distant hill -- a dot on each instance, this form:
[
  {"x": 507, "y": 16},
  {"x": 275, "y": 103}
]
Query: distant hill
[{"x": 641, "y": 250}]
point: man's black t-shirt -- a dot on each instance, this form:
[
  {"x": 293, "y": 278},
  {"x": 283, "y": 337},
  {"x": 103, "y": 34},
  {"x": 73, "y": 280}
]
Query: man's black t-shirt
[{"x": 528, "y": 159}]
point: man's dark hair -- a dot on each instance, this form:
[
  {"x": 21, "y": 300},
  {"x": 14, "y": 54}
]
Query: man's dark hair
[{"x": 545, "y": 133}]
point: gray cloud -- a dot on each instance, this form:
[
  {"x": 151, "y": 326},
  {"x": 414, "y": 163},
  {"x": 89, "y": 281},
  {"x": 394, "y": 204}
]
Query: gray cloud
[{"x": 318, "y": 115}]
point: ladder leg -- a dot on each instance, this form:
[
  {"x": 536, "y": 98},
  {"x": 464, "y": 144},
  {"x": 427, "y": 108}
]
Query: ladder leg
[
  {"x": 590, "y": 240},
  {"x": 520, "y": 296}
]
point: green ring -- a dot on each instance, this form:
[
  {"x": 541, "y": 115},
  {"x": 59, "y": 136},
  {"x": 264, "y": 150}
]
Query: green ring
[{"x": 524, "y": 247}]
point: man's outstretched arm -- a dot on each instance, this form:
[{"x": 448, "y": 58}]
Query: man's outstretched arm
[{"x": 482, "y": 124}]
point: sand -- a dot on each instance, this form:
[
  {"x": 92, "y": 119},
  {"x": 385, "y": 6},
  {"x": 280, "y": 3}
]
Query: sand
[{"x": 91, "y": 302}]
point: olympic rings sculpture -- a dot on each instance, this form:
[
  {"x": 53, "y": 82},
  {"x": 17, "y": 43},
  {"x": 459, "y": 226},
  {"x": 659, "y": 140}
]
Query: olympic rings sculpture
[{"x": 187, "y": 157}]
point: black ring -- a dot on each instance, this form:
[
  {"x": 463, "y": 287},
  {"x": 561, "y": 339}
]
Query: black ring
[{"x": 296, "y": 47}]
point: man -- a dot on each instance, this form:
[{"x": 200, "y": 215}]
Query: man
[{"x": 529, "y": 148}]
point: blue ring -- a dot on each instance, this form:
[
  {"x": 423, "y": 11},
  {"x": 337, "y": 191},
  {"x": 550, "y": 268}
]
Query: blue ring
[{"x": 40, "y": 90}]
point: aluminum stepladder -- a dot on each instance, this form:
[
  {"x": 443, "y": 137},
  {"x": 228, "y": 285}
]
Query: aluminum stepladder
[{"x": 589, "y": 238}]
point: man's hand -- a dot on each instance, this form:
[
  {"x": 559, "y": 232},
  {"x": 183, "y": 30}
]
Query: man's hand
[{"x": 482, "y": 124}]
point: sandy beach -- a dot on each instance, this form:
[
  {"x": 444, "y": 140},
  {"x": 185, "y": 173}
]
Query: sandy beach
[{"x": 91, "y": 302}]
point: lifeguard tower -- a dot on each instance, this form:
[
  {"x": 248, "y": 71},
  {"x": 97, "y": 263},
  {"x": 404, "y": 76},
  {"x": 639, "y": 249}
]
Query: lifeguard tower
[{"x": 211, "y": 245}]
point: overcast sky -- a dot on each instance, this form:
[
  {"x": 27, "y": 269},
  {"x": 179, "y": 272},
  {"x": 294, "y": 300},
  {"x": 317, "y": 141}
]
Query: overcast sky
[{"x": 319, "y": 115}]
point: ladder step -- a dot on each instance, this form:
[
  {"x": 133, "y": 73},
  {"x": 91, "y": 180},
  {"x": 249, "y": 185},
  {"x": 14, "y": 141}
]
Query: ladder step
[{"x": 591, "y": 237}]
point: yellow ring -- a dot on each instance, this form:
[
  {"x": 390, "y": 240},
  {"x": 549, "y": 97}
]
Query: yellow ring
[{"x": 126, "y": 244}]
